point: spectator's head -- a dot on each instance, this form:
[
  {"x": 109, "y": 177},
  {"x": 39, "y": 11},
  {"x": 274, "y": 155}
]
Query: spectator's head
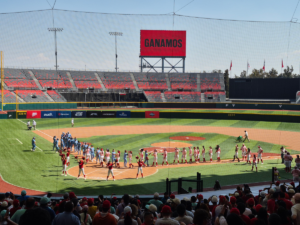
[
  {"x": 126, "y": 199},
  {"x": 49, "y": 195},
  {"x": 250, "y": 202},
  {"x": 232, "y": 200},
  {"x": 23, "y": 193},
  {"x": 193, "y": 199},
  {"x": 90, "y": 201},
  {"x": 35, "y": 216},
  {"x": 152, "y": 208},
  {"x": 234, "y": 219},
  {"x": 241, "y": 207},
  {"x": 235, "y": 211},
  {"x": 166, "y": 211},
  {"x": 29, "y": 203},
  {"x": 221, "y": 199},
  {"x": 134, "y": 209},
  {"x": 127, "y": 215},
  {"x": 214, "y": 200},
  {"x": 291, "y": 192},
  {"x": 148, "y": 218},
  {"x": 188, "y": 206},
  {"x": 181, "y": 210},
  {"x": 72, "y": 195},
  {"x": 174, "y": 203},
  {"x": 75, "y": 202},
  {"x": 282, "y": 188},
  {"x": 274, "y": 219},
  {"x": 69, "y": 207},
  {"x": 166, "y": 195},
  {"x": 16, "y": 203},
  {"x": 297, "y": 198},
  {"x": 172, "y": 196},
  {"x": 156, "y": 195},
  {"x": 200, "y": 217},
  {"x": 44, "y": 201},
  {"x": 106, "y": 206},
  {"x": 66, "y": 196}
]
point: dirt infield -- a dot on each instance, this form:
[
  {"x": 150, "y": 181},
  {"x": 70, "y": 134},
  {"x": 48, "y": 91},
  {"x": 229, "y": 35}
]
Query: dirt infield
[
  {"x": 187, "y": 138},
  {"x": 171, "y": 144}
]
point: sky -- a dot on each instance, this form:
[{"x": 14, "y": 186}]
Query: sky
[{"x": 233, "y": 34}]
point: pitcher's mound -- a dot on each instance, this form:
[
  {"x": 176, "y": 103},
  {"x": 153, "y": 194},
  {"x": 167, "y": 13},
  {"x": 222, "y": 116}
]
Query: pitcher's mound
[
  {"x": 171, "y": 144},
  {"x": 187, "y": 138}
]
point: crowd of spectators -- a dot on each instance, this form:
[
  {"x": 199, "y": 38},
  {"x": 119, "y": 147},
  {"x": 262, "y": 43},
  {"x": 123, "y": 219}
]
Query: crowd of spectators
[{"x": 276, "y": 205}]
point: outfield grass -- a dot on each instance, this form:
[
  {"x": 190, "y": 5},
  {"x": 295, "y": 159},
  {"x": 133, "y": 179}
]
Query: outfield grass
[{"x": 41, "y": 170}]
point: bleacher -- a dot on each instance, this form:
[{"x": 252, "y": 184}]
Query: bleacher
[
  {"x": 55, "y": 84},
  {"x": 211, "y": 82},
  {"x": 153, "y": 96},
  {"x": 214, "y": 96},
  {"x": 8, "y": 96},
  {"x": 183, "y": 81},
  {"x": 26, "y": 95},
  {"x": 182, "y": 96},
  {"x": 83, "y": 75},
  {"x": 150, "y": 81},
  {"x": 56, "y": 96},
  {"x": 14, "y": 74},
  {"x": 20, "y": 83},
  {"x": 117, "y": 81},
  {"x": 46, "y": 75}
]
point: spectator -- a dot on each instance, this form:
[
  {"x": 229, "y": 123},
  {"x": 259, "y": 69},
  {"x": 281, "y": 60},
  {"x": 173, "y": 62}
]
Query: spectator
[
  {"x": 165, "y": 198},
  {"x": 205, "y": 208},
  {"x": 200, "y": 217},
  {"x": 156, "y": 201},
  {"x": 28, "y": 205},
  {"x": 251, "y": 206},
  {"x": 241, "y": 207},
  {"x": 91, "y": 208},
  {"x": 104, "y": 217},
  {"x": 44, "y": 203},
  {"x": 152, "y": 209},
  {"x": 166, "y": 219},
  {"x": 122, "y": 205},
  {"x": 174, "y": 203},
  {"x": 85, "y": 218},
  {"x": 127, "y": 217},
  {"x": 219, "y": 208},
  {"x": 274, "y": 219},
  {"x": 189, "y": 209},
  {"x": 66, "y": 217},
  {"x": 234, "y": 219},
  {"x": 182, "y": 217},
  {"x": 282, "y": 213},
  {"x": 214, "y": 201},
  {"x": 16, "y": 206},
  {"x": 36, "y": 216},
  {"x": 134, "y": 213},
  {"x": 288, "y": 203},
  {"x": 296, "y": 209},
  {"x": 23, "y": 197},
  {"x": 3, "y": 220},
  {"x": 77, "y": 207},
  {"x": 194, "y": 204},
  {"x": 271, "y": 203},
  {"x": 148, "y": 218}
]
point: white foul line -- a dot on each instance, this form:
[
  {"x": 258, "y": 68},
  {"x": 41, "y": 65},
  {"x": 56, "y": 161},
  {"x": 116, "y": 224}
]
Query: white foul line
[
  {"x": 19, "y": 141},
  {"x": 36, "y": 129}
]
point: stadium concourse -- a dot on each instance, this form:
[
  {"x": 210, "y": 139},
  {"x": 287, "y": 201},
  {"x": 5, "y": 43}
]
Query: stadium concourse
[{"x": 49, "y": 86}]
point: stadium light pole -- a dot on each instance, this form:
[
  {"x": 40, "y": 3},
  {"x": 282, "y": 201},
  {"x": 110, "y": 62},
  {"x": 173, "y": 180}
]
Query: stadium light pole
[
  {"x": 55, "y": 30},
  {"x": 116, "y": 34}
]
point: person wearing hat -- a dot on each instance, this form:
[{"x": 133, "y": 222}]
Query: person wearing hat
[
  {"x": 91, "y": 207},
  {"x": 166, "y": 213},
  {"x": 291, "y": 193},
  {"x": 34, "y": 124},
  {"x": 44, "y": 204},
  {"x": 165, "y": 198},
  {"x": 296, "y": 209},
  {"x": 104, "y": 217},
  {"x": 81, "y": 168},
  {"x": 182, "y": 217},
  {"x": 125, "y": 158},
  {"x": 29, "y": 204},
  {"x": 287, "y": 162},
  {"x": 148, "y": 218},
  {"x": 64, "y": 164},
  {"x": 107, "y": 156},
  {"x": 156, "y": 200},
  {"x": 23, "y": 197},
  {"x": 214, "y": 201},
  {"x": 16, "y": 206},
  {"x": 246, "y": 137},
  {"x": 110, "y": 170},
  {"x": 33, "y": 143},
  {"x": 127, "y": 217}
]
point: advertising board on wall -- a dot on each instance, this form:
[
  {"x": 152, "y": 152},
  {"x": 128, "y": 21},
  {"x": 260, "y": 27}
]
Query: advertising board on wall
[
  {"x": 64, "y": 114},
  {"x": 123, "y": 114},
  {"x": 77, "y": 114},
  {"x": 48, "y": 114},
  {"x": 151, "y": 114},
  {"x": 33, "y": 114}
]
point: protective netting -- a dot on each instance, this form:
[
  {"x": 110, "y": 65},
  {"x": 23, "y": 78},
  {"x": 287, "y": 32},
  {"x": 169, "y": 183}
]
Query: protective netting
[{"x": 85, "y": 42}]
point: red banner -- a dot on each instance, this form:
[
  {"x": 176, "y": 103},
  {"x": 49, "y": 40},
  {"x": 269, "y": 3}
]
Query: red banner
[
  {"x": 163, "y": 43},
  {"x": 151, "y": 114},
  {"x": 33, "y": 114}
]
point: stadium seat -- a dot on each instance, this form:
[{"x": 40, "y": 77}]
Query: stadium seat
[
  {"x": 153, "y": 96},
  {"x": 26, "y": 95},
  {"x": 21, "y": 83},
  {"x": 56, "y": 96}
]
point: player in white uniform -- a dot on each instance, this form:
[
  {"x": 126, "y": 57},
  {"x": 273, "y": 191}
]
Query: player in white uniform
[
  {"x": 210, "y": 153},
  {"x": 142, "y": 154},
  {"x": 130, "y": 159},
  {"x": 195, "y": 155},
  {"x": 295, "y": 172},
  {"x": 155, "y": 158},
  {"x": 140, "y": 168},
  {"x": 183, "y": 156},
  {"x": 107, "y": 156},
  {"x": 244, "y": 151},
  {"x": 248, "y": 155},
  {"x": 191, "y": 154},
  {"x": 259, "y": 155},
  {"x": 236, "y": 155},
  {"x": 297, "y": 161},
  {"x": 203, "y": 154},
  {"x": 110, "y": 169},
  {"x": 254, "y": 162},
  {"x": 218, "y": 151},
  {"x": 88, "y": 153},
  {"x": 176, "y": 156},
  {"x": 287, "y": 162},
  {"x": 68, "y": 159},
  {"x": 165, "y": 157},
  {"x": 72, "y": 122},
  {"x": 34, "y": 124}
]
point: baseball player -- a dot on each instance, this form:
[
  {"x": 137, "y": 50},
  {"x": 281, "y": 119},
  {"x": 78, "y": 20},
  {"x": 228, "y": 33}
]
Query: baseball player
[
  {"x": 198, "y": 154},
  {"x": 68, "y": 158},
  {"x": 81, "y": 169},
  {"x": 290, "y": 161},
  {"x": 236, "y": 155},
  {"x": 191, "y": 154},
  {"x": 107, "y": 156},
  {"x": 28, "y": 124},
  {"x": 286, "y": 162},
  {"x": 98, "y": 155},
  {"x": 259, "y": 154},
  {"x": 282, "y": 150},
  {"x": 92, "y": 149},
  {"x": 125, "y": 158},
  {"x": 34, "y": 124},
  {"x": 79, "y": 147},
  {"x": 118, "y": 155},
  {"x": 57, "y": 147},
  {"x": 64, "y": 163},
  {"x": 101, "y": 159},
  {"x": 83, "y": 148},
  {"x": 155, "y": 158},
  {"x": 246, "y": 136},
  {"x": 254, "y": 162},
  {"x": 244, "y": 151},
  {"x": 183, "y": 156},
  {"x": 295, "y": 172},
  {"x": 113, "y": 156},
  {"x": 203, "y": 154},
  {"x": 218, "y": 151},
  {"x": 147, "y": 157},
  {"x": 210, "y": 153},
  {"x": 297, "y": 161},
  {"x": 141, "y": 154},
  {"x": 88, "y": 153},
  {"x": 140, "y": 169},
  {"x": 165, "y": 157},
  {"x": 72, "y": 122},
  {"x": 54, "y": 143},
  {"x": 195, "y": 155},
  {"x": 276, "y": 174},
  {"x": 248, "y": 155},
  {"x": 72, "y": 143},
  {"x": 75, "y": 144},
  {"x": 33, "y": 142},
  {"x": 176, "y": 156},
  {"x": 130, "y": 159},
  {"x": 110, "y": 166}
]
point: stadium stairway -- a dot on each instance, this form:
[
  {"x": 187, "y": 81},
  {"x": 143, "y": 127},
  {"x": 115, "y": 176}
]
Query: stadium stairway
[
  {"x": 19, "y": 98},
  {"x": 100, "y": 81},
  {"x": 168, "y": 81},
  {"x": 198, "y": 85},
  {"x": 202, "y": 97},
  {"x": 35, "y": 80},
  {"x": 48, "y": 96},
  {"x": 134, "y": 82},
  {"x": 163, "y": 97},
  {"x": 71, "y": 80}
]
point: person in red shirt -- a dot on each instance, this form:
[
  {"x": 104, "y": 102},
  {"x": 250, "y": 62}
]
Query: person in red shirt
[
  {"x": 81, "y": 169},
  {"x": 241, "y": 207},
  {"x": 110, "y": 166},
  {"x": 254, "y": 162},
  {"x": 16, "y": 206},
  {"x": 218, "y": 151},
  {"x": 64, "y": 163},
  {"x": 140, "y": 169}
]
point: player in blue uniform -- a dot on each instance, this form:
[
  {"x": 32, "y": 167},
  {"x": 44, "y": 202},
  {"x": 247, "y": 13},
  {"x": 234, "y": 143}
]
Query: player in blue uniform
[
  {"x": 125, "y": 158},
  {"x": 92, "y": 152},
  {"x": 33, "y": 142}
]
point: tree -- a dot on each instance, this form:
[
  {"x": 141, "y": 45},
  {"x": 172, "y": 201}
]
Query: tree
[
  {"x": 226, "y": 81},
  {"x": 288, "y": 72},
  {"x": 243, "y": 74},
  {"x": 258, "y": 73},
  {"x": 217, "y": 71},
  {"x": 272, "y": 73}
]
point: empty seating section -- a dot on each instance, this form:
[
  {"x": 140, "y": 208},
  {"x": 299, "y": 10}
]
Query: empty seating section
[
  {"x": 87, "y": 84},
  {"x": 184, "y": 96},
  {"x": 56, "y": 96},
  {"x": 210, "y": 81},
  {"x": 153, "y": 96},
  {"x": 117, "y": 81},
  {"x": 46, "y": 74},
  {"x": 83, "y": 75},
  {"x": 14, "y": 74},
  {"x": 55, "y": 83},
  {"x": 213, "y": 96},
  {"x": 64, "y": 75},
  {"x": 26, "y": 95},
  {"x": 8, "y": 96},
  {"x": 151, "y": 81},
  {"x": 184, "y": 81},
  {"x": 20, "y": 83},
  {"x": 186, "y": 86}
]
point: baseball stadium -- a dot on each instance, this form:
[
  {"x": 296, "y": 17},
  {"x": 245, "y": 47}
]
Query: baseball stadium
[{"x": 143, "y": 104}]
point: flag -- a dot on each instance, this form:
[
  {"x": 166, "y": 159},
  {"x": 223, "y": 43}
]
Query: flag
[
  {"x": 282, "y": 63},
  {"x": 230, "y": 64},
  {"x": 248, "y": 65},
  {"x": 264, "y": 67}
]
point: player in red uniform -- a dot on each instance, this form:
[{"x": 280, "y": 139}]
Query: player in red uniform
[
  {"x": 203, "y": 154},
  {"x": 218, "y": 151},
  {"x": 191, "y": 154},
  {"x": 64, "y": 163},
  {"x": 259, "y": 155},
  {"x": 254, "y": 162},
  {"x": 81, "y": 169},
  {"x": 118, "y": 159},
  {"x": 110, "y": 166},
  {"x": 140, "y": 169},
  {"x": 165, "y": 157},
  {"x": 130, "y": 159}
]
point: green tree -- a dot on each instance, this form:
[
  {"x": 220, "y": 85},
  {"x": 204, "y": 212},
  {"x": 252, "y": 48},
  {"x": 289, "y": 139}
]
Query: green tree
[
  {"x": 226, "y": 81},
  {"x": 258, "y": 73},
  {"x": 272, "y": 73},
  {"x": 243, "y": 74},
  {"x": 288, "y": 72}
]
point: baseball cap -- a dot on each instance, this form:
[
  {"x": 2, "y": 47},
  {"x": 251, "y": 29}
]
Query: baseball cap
[
  {"x": 236, "y": 194},
  {"x": 214, "y": 199},
  {"x": 262, "y": 194},
  {"x": 277, "y": 183},
  {"x": 84, "y": 199},
  {"x": 151, "y": 207},
  {"x": 235, "y": 211},
  {"x": 106, "y": 204},
  {"x": 258, "y": 207},
  {"x": 290, "y": 187},
  {"x": 16, "y": 202},
  {"x": 292, "y": 183},
  {"x": 166, "y": 209},
  {"x": 127, "y": 209},
  {"x": 23, "y": 192},
  {"x": 200, "y": 197},
  {"x": 176, "y": 201},
  {"x": 72, "y": 195},
  {"x": 251, "y": 202},
  {"x": 44, "y": 200},
  {"x": 156, "y": 195},
  {"x": 115, "y": 198},
  {"x": 232, "y": 200},
  {"x": 172, "y": 196},
  {"x": 90, "y": 201},
  {"x": 291, "y": 191},
  {"x": 4, "y": 204},
  {"x": 222, "y": 199},
  {"x": 271, "y": 191}
]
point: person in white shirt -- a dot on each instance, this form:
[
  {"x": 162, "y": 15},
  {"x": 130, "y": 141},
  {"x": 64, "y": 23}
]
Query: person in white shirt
[
  {"x": 182, "y": 217},
  {"x": 246, "y": 136},
  {"x": 34, "y": 124},
  {"x": 28, "y": 124},
  {"x": 166, "y": 213},
  {"x": 72, "y": 122}
]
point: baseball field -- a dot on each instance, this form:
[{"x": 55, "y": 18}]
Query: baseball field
[{"x": 40, "y": 171}]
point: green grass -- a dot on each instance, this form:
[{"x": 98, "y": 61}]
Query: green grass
[{"x": 40, "y": 170}]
